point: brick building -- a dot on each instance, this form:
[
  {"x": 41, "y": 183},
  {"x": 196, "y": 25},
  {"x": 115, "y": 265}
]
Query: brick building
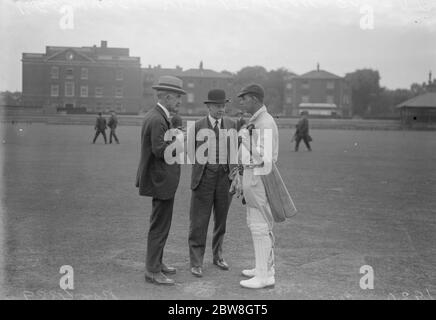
[
  {"x": 319, "y": 93},
  {"x": 82, "y": 79},
  {"x": 196, "y": 82}
]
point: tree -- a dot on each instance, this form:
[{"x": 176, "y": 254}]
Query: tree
[
  {"x": 417, "y": 89},
  {"x": 365, "y": 87},
  {"x": 273, "y": 81},
  {"x": 10, "y": 98},
  {"x": 246, "y": 75}
]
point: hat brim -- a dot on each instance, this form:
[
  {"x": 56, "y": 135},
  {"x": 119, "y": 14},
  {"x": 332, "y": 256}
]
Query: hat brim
[
  {"x": 217, "y": 101},
  {"x": 168, "y": 88},
  {"x": 242, "y": 93}
]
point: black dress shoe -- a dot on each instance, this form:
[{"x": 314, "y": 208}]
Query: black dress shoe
[
  {"x": 168, "y": 270},
  {"x": 158, "y": 278},
  {"x": 196, "y": 271},
  {"x": 221, "y": 264}
]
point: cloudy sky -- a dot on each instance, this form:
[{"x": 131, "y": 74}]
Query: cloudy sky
[{"x": 396, "y": 37}]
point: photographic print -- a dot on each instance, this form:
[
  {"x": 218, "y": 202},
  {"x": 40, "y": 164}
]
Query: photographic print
[{"x": 230, "y": 150}]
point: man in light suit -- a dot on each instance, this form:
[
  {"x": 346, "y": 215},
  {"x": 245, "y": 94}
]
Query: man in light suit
[
  {"x": 259, "y": 216},
  {"x": 210, "y": 185},
  {"x": 158, "y": 179}
]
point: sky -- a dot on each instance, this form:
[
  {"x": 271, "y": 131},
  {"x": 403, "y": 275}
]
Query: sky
[{"x": 395, "y": 37}]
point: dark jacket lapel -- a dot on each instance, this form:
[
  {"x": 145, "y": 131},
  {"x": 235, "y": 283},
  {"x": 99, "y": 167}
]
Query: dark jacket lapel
[{"x": 159, "y": 109}]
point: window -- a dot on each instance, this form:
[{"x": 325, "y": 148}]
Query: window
[
  {"x": 288, "y": 100},
  {"x": 55, "y": 72},
  {"x": 330, "y": 99},
  {"x": 118, "y": 92},
  {"x": 118, "y": 107},
  {"x": 330, "y": 85},
  {"x": 84, "y": 73},
  {"x": 54, "y": 92},
  {"x": 305, "y": 99},
  {"x": 289, "y": 85},
  {"x": 69, "y": 89},
  {"x": 84, "y": 91},
  {"x": 99, "y": 107},
  {"x": 345, "y": 99},
  {"x": 98, "y": 92},
  {"x": 190, "y": 97},
  {"x": 191, "y": 85},
  {"x": 69, "y": 73},
  {"x": 305, "y": 84},
  {"x": 119, "y": 75}
]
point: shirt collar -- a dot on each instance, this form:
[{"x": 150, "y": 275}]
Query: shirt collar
[
  {"x": 257, "y": 113},
  {"x": 213, "y": 120},
  {"x": 164, "y": 110}
]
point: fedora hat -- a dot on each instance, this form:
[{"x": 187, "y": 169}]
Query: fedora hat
[
  {"x": 170, "y": 83},
  {"x": 216, "y": 96}
]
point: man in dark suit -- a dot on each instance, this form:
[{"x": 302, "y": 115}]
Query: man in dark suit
[
  {"x": 100, "y": 127},
  {"x": 302, "y": 132},
  {"x": 112, "y": 124},
  {"x": 158, "y": 179},
  {"x": 210, "y": 184}
]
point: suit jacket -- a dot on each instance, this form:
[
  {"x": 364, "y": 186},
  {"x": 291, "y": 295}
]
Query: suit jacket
[
  {"x": 113, "y": 122},
  {"x": 302, "y": 128},
  {"x": 197, "y": 168},
  {"x": 155, "y": 178},
  {"x": 100, "y": 124}
]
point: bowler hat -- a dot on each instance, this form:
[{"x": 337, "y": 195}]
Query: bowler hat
[
  {"x": 216, "y": 96},
  {"x": 170, "y": 83},
  {"x": 254, "y": 89}
]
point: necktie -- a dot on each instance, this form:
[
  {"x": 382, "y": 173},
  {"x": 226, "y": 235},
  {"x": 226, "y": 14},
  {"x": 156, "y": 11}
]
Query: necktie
[
  {"x": 216, "y": 128},
  {"x": 217, "y": 136}
]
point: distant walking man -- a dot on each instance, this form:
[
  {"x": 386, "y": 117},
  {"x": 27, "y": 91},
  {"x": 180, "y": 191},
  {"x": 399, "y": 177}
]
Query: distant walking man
[
  {"x": 112, "y": 124},
  {"x": 210, "y": 186},
  {"x": 158, "y": 179},
  {"x": 100, "y": 127},
  {"x": 302, "y": 132}
]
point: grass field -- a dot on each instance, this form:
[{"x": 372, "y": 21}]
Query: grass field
[{"x": 364, "y": 198}]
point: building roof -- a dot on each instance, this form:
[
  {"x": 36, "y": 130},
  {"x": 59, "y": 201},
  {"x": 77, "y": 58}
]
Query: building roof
[
  {"x": 426, "y": 100},
  {"x": 158, "y": 71},
  {"x": 178, "y": 72},
  {"x": 318, "y": 74},
  {"x": 204, "y": 73},
  {"x": 94, "y": 53}
]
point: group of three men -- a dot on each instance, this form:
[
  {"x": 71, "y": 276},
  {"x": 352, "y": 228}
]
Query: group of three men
[{"x": 210, "y": 185}]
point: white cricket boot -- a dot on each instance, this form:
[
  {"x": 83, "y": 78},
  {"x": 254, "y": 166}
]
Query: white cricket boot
[
  {"x": 258, "y": 283},
  {"x": 263, "y": 252},
  {"x": 250, "y": 273}
]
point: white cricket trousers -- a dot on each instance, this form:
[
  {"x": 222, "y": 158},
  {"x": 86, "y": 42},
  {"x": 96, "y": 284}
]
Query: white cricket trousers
[{"x": 260, "y": 226}]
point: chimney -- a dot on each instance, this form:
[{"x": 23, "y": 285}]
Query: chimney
[
  {"x": 430, "y": 80},
  {"x": 103, "y": 44},
  {"x": 317, "y": 67},
  {"x": 201, "y": 65}
]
